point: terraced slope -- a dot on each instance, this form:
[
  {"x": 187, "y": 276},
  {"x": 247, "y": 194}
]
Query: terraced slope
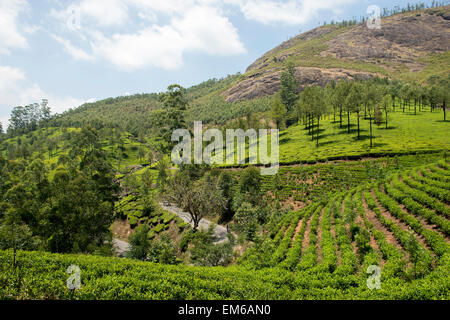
[
  {"x": 323, "y": 251},
  {"x": 402, "y": 224},
  {"x": 409, "y": 46}
]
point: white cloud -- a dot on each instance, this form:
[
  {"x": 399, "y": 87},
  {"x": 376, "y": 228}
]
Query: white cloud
[
  {"x": 10, "y": 36},
  {"x": 200, "y": 29},
  {"x": 291, "y": 12},
  {"x": 98, "y": 12},
  {"x": 76, "y": 53},
  {"x": 16, "y": 89},
  {"x": 191, "y": 25}
]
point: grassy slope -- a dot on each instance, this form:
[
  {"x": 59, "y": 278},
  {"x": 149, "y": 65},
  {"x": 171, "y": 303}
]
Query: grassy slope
[
  {"x": 307, "y": 53},
  {"x": 406, "y": 133}
]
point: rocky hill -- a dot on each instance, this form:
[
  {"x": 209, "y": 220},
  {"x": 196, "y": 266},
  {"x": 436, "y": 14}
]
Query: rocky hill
[{"x": 409, "y": 46}]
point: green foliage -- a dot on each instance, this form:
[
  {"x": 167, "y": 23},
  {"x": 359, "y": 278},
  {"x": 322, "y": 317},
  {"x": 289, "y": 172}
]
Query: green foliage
[
  {"x": 246, "y": 219},
  {"x": 205, "y": 253},
  {"x": 139, "y": 243}
]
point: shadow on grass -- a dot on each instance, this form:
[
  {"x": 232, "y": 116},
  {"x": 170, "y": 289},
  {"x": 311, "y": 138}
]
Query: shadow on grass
[
  {"x": 388, "y": 128},
  {"x": 324, "y": 143},
  {"x": 285, "y": 140}
]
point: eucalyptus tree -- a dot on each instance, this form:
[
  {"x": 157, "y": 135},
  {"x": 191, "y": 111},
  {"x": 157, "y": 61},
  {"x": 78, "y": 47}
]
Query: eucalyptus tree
[
  {"x": 404, "y": 95},
  {"x": 288, "y": 88},
  {"x": 320, "y": 108},
  {"x": 355, "y": 103},
  {"x": 342, "y": 89},
  {"x": 330, "y": 95},
  {"x": 444, "y": 92},
  {"x": 305, "y": 107},
  {"x": 278, "y": 113},
  {"x": 394, "y": 91},
  {"x": 385, "y": 105},
  {"x": 175, "y": 103},
  {"x": 373, "y": 95},
  {"x": 433, "y": 97}
]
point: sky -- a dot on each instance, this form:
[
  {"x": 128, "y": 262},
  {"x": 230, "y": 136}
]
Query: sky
[{"x": 76, "y": 51}]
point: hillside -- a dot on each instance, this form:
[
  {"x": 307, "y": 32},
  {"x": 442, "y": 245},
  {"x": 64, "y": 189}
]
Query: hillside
[
  {"x": 409, "y": 46},
  {"x": 319, "y": 252}
]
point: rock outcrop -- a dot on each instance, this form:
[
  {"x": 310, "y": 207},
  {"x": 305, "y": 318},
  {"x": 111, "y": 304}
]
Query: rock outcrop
[{"x": 401, "y": 45}]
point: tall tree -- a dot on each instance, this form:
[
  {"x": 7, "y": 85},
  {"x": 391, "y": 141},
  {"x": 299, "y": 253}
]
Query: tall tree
[
  {"x": 355, "y": 102},
  {"x": 444, "y": 92},
  {"x": 373, "y": 95},
  {"x": 288, "y": 88},
  {"x": 174, "y": 102},
  {"x": 385, "y": 105},
  {"x": 342, "y": 90},
  {"x": 278, "y": 113},
  {"x": 319, "y": 108},
  {"x": 199, "y": 198}
]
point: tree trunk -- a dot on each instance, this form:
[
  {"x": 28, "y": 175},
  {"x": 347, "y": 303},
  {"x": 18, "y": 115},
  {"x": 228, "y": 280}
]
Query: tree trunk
[
  {"x": 357, "y": 115},
  {"x": 386, "y": 115},
  {"x": 370, "y": 121},
  {"x": 443, "y": 107},
  {"x": 318, "y": 127},
  {"x": 348, "y": 121},
  {"x": 340, "y": 117}
]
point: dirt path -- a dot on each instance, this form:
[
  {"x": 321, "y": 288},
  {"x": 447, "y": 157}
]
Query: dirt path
[
  {"x": 388, "y": 235},
  {"x": 297, "y": 229},
  {"x": 220, "y": 232},
  {"x": 399, "y": 222}
]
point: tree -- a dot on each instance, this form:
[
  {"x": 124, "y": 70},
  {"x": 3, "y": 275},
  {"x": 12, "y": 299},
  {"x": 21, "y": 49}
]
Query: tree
[
  {"x": 378, "y": 115},
  {"x": 394, "y": 91},
  {"x": 1, "y": 128},
  {"x": 205, "y": 253},
  {"x": 246, "y": 220},
  {"x": 342, "y": 90},
  {"x": 225, "y": 183},
  {"x": 288, "y": 88},
  {"x": 404, "y": 94},
  {"x": 385, "y": 105},
  {"x": 278, "y": 113},
  {"x": 162, "y": 166},
  {"x": 319, "y": 108},
  {"x": 45, "y": 113},
  {"x": 162, "y": 250},
  {"x": 433, "y": 97},
  {"x": 248, "y": 188},
  {"x": 444, "y": 92},
  {"x": 199, "y": 198},
  {"x": 373, "y": 97},
  {"x": 140, "y": 243},
  {"x": 174, "y": 102},
  {"x": 354, "y": 103}
]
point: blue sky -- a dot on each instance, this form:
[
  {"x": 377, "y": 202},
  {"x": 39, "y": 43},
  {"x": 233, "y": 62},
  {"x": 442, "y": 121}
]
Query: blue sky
[{"x": 75, "y": 51}]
